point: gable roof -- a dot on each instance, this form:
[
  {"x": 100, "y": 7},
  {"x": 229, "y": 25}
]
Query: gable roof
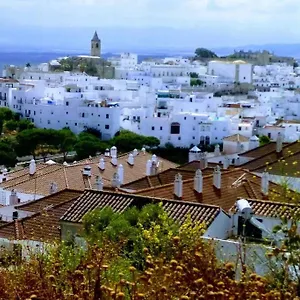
[
  {"x": 70, "y": 177},
  {"x": 178, "y": 210},
  {"x": 234, "y": 183},
  {"x": 43, "y": 225},
  {"x": 261, "y": 150},
  {"x": 263, "y": 161}
]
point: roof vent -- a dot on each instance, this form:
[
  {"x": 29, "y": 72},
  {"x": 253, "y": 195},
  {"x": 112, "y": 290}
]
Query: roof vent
[
  {"x": 32, "y": 167},
  {"x": 114, "y": 161},
  {"x": 99, "y": 183},
  {"x": 178, "y": 185},
  {"x": 107, "y": 153},
  {"x": 87, "y": 171},
  {"x": 115, "y": 181},
  {"x": 101, "y": 164},
  {"x": 135, "y": 152},
  {"x": 130, "y": 159},
  {"x": 113, "y": 151},
  {"x": 198, "y": 182}
]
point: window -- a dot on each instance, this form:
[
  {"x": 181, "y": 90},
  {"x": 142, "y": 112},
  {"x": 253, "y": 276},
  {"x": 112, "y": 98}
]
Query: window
[
  {"x": 75, "y": 124},
  {"x": 269, "y": 135},
  {"x": 67, "y": 113},
  {"x": 106, "y": 126},
  {"x": 179, "y": 138},
  {"x": 161, "y": 128},
  {"x": 245, "y": 228},
  {"x": 193, "y": 137},
  {"x": 152, "y": 128},
  {"x": 67, "y": 103},
  {"x": 49, "y": 122},
  {"x": 175, "y": 128},
  {"x": 107, "y": 116},
  {"x": 185, "y": 118},
  {"x": 240, "y": 128}
]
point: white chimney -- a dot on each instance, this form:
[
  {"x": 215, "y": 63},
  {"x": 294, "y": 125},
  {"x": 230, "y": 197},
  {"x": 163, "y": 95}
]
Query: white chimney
[
  {"x": 32, "y": 167},
  {"x": 217, "y": 151},
  {"x": 107, "y": 153},
  {"x": 130, "y": 159},
  {"x": 203, "y": 160},
  {"x": 99, "y": 183},
  {"x": 198, "y": 182},
  {"x": 144, "y": 150},
  {"x": 113, "y": 151},
  {"x": 114, "y": 161},
  {"x": 194, "y": 154},
  {"x": 254, "y": 142},
  {"x": 87, "y": 171},
  {"x": 102, "y": 164},
  {"x": 115, "y": 180},
  {"x": 279, "y": 143},
  {"x": 217, "y": 177},
  {"x": 53, "y": 188},
  {"x": 178, "y": 186},
  {"x": 265, "y": 183},
  {"x": 154, "y": 158},
  {"x": 135, "y": 152},
  {"x": 121, "y": 173},
  {"x": 148, "y": 167},
  {"x": 13, "y": 198},
  {"x": 225, "y": 163}
]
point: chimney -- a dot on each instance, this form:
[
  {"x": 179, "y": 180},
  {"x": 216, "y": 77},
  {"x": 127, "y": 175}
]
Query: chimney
[
  {"x": 265, "y": 183},
  {"x": 237, "y": 161},
  {"x": 135, "y": 152},
  {"x": 217, "y": 178},
  {"x": 154, "y": 158},
  {"x": 198, "y": 182},
  {"x": 13, "y": 198},
  {"x": 154, "y": 168},
  {"x": 114, "y": 161},
  {"x": 99, "y": 183},
  {"x": 32, "y": 167},
  {"x": 130, "y": 159},
  {"x": 53, "y": 188},
  {"x": 107, "y": 153},
  {"x": 121, "y": 173},
  {"x": 115, "y": 183},
  {"x": 178, "y": 186},
  {"x": 203, "y": 160},
  {"x": 225, "y": 163},
  {"x": 194, "y": 154},
  {"x": 144, "y": 150},
  {"x": 279, "y": 143},
  {"x": 102, "y": 164},
  {"x": 148, "y": 167},
  {"x": 113, "y": 151},
  {"x": 217, "y": 151},
  {"x": 87, "y": 171}
]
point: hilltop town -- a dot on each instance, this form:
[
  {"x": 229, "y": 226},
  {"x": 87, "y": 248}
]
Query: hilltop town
[{"x": 211, "y": 142}]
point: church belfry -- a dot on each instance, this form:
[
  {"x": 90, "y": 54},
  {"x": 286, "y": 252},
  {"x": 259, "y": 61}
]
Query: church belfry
[{"x": 95, "y": 45}]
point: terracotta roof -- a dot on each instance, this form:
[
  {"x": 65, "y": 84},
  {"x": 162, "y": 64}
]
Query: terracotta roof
[
  {"x": 249, "y": 187},
  {"x": 178, "y": 210},
  {"x": 8, "y": 80},
  {"x": 42, "y": 226},
  {"x": 70, "y": 177},
  {"x": 195, "y": 164},
  {"x": 271, "y": 157},
  {"x": 272, "y": 209},
  {"x": 236, "y": 138},
  {"x": 54, "y": 199},
  {"x": 260, "y": 151}
]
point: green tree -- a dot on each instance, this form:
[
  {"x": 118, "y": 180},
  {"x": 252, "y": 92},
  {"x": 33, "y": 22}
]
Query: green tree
[
  {"x": 88, "y": 145},
  {"x": 8, "y": 156},
  {"x": 66, "y": 141},
  {"x": 263, "y": 140},
  {"x": 11, "y": 125},
  {"x": 194, "y": 75},
  {"x": 204, "y": 53},
  {"x": 25, "y": 124}
]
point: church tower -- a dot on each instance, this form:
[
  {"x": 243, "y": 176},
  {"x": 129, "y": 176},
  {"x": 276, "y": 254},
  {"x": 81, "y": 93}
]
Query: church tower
[{"x": 95, "y": 45}]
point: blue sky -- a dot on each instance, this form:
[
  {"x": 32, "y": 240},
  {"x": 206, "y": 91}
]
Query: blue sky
[{"x": 220, "y": 22}]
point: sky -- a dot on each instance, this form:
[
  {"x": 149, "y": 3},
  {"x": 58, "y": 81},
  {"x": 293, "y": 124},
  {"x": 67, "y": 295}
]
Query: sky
[{"x": 214, "y": 23}]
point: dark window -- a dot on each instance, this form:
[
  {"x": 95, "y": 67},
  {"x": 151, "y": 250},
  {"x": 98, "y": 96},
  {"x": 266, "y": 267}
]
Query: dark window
[
  {"x": 175, "y": 128},
  {"x": 107, "y": 116},
  {"x": 67, "y": 103},
  {"x": 269, "y": 135},
  {"x": 161, "y": 128},
  {"x": 106, "y": 126},
  {"x": 240, "y": 128},
  {"x": 153, "y": 128},
  {"x": 75, "y": 124},
  {"x": 246, "y": 229}
]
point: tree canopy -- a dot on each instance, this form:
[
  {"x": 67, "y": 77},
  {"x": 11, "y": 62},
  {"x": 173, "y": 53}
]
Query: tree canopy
[{"x": 204, "y": 53}]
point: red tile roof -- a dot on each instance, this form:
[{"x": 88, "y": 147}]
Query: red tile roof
[{"x": 249, "y": 186}]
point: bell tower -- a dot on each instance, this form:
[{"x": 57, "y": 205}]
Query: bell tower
[{"x": 95, "y": 45}]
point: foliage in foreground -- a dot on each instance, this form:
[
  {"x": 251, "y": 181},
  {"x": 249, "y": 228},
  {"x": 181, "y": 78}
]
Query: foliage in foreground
[{"x": 184, "y": 268}]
